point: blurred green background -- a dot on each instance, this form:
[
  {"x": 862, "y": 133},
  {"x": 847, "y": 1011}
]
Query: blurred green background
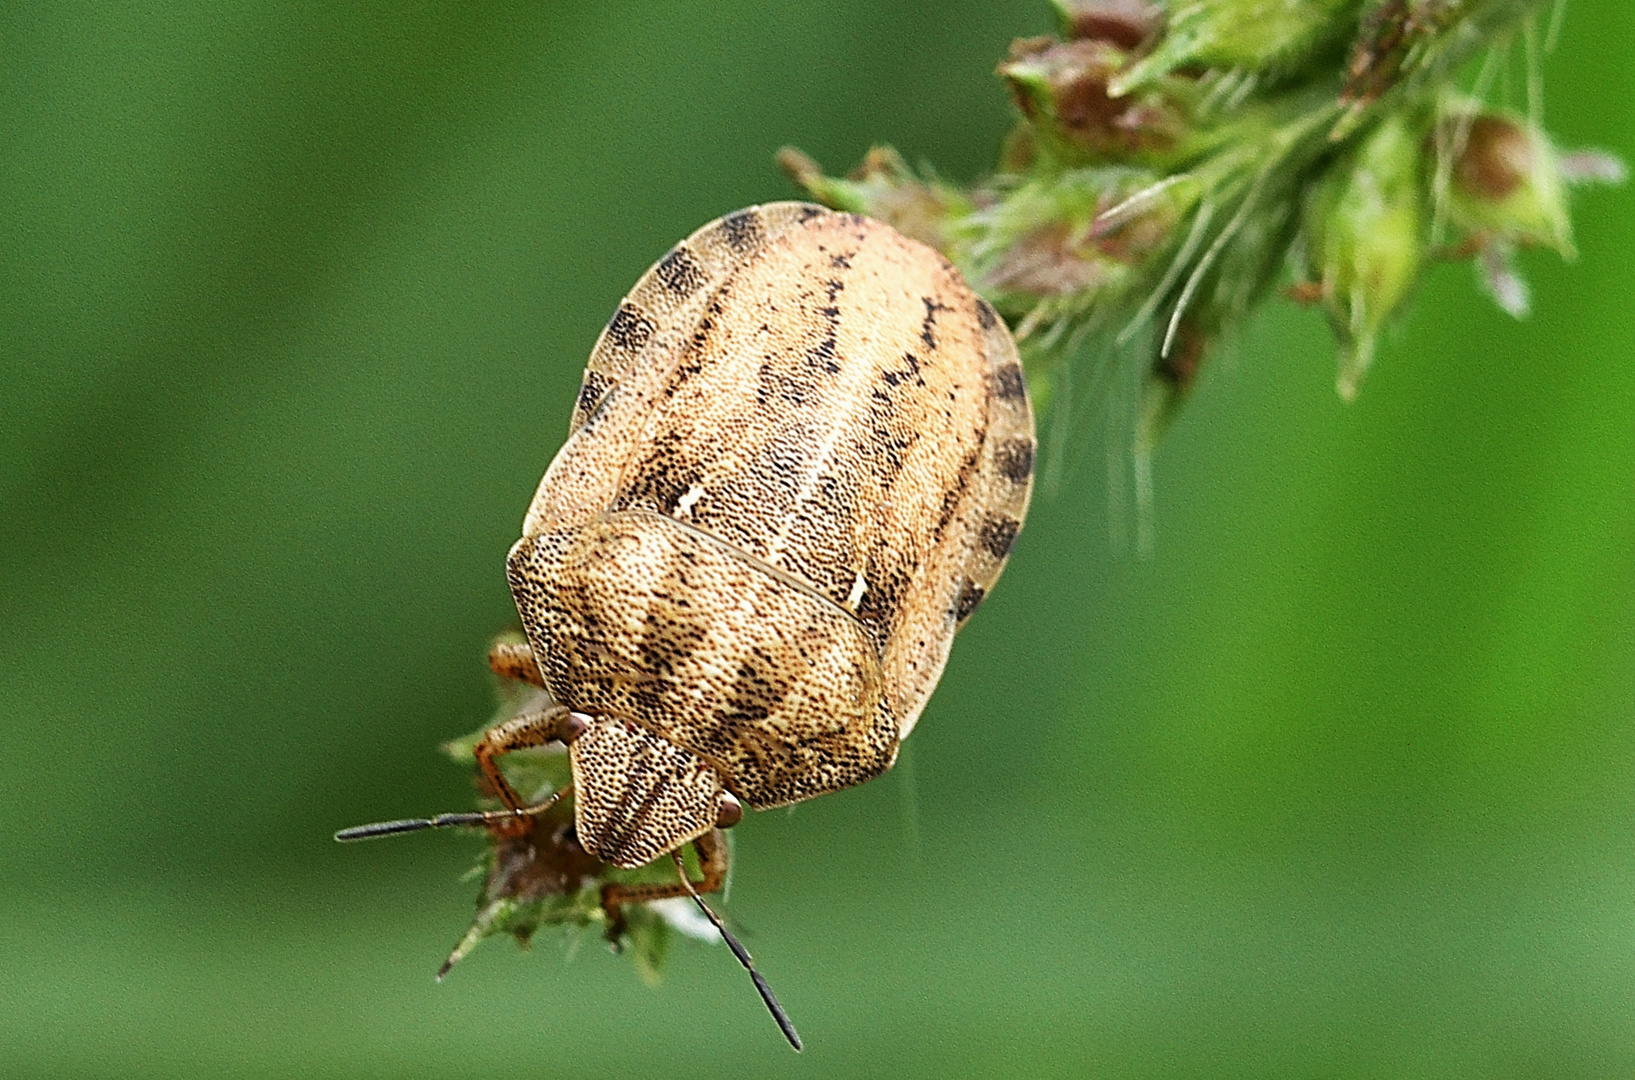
[{"x": 293, "y": 303}]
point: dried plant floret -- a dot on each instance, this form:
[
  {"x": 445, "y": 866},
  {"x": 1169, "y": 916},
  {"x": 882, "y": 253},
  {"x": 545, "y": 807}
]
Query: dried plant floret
[
  {"x": 540, "y": 878},
  {"x": 1171, "y": 161}
]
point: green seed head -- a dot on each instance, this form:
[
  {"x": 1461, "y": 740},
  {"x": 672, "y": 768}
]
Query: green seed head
[
  {"x": 1364, "y": 226},
  {"x": 1268, "y": 38}
]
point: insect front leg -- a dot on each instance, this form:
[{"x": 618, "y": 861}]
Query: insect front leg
[{"x": 534, "y": 728}]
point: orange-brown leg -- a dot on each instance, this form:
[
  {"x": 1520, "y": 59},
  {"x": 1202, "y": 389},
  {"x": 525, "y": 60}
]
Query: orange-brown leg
[
  {"x": 515, "y": 660},
  {"x": 535, "y": 728},
  {"x": 712, "y": 864}
]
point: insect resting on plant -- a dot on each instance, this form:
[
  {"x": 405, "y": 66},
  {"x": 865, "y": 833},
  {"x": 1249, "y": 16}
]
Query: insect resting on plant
[{"x": 801, "y": 453}]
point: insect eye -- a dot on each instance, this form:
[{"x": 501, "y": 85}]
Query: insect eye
[{"x": 731, "y": 811}]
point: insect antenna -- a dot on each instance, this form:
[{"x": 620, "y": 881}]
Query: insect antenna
[
  {"x": 786, "y": 1025},
  {"x": 446, "y": 821}
]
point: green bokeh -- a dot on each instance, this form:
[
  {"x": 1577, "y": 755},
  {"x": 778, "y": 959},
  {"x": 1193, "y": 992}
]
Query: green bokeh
[{"x": 293, "y": 302}]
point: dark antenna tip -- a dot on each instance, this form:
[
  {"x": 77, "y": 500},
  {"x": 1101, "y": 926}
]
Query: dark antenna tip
[
  {"x": 382, "y": 828},
  {"x": 392, "y": 828},
  {"x": 785, "y": 1025}
]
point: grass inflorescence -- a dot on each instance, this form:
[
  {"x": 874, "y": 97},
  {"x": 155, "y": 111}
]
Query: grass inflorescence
[{"x": 1175, "y": 163}]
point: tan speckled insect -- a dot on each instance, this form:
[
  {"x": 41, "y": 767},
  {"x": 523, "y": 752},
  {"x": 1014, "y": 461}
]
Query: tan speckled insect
[{"x": 801, "y": 452}]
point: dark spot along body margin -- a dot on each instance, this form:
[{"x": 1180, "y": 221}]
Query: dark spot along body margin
[
  {"x": 1010, "y": 385},
  {"x": 998, "y": 534},
  {"x": 1014, "y": 460},
  {"x": 969, "y": 598},
  {"x": 986, "y": 315},
  {"x": 592, "y": 390},
  {"x": 680, "y": 273},
  {"x": 629, "y": 330},
  {"x": 742, "y": 230}
]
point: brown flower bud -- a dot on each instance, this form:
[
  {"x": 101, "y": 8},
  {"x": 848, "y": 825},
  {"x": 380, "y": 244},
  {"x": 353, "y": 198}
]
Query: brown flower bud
[
  {"x": 1497, "y": 157},
  {"x": 1129, "y": 24},
  {"x": 1507, "y": 183},
  {"x": 1062, "y": 89}
]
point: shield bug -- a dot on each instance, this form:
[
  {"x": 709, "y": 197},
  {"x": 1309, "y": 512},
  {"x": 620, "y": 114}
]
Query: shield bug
[{"x": 801, "y": 452}]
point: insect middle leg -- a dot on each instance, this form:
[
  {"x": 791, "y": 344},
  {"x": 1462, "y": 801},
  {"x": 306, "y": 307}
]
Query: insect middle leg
[
  {"x": 515, "y": 660},
  {"x": 712, "y": 864}
]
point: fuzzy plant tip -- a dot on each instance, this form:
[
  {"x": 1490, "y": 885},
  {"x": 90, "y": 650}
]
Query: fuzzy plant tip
[{"x": 1172, "y": 164}]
